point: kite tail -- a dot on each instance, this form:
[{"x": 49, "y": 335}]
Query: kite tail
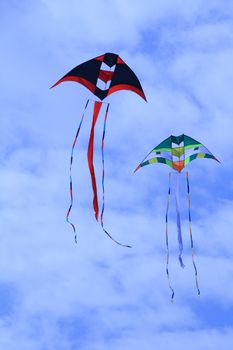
[
  {"x": 180, "y": 240},
  {"x": 71, "y": 162},
  {"x": 191, "y": 235},
  {"x": 167, "y": 263},
  {"x": 103, "y": 196},
  {"x": 90, "y": 152}
]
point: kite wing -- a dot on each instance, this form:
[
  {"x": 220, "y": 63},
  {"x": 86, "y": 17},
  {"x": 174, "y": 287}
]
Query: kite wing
[
  {"x": 104, "y": 75},
  {"x": 177, "y": 152}
]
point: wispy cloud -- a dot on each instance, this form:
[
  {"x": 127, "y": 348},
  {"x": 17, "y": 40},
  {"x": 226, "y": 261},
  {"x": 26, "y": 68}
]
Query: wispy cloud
[{"x": 95, "y": 295}]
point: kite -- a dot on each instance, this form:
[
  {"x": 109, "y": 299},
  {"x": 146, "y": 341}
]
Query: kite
[
  {"x": 102, "y": 75},
  {"x": 177, "y": 152}
]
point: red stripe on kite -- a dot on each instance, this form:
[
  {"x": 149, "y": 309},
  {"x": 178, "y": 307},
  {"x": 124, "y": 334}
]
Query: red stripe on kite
[
  {"x": 82, "y": 81},
  {"x": 126, "y": 87},
  {"x": 99, "y": 58},
  {"x": 120, "y": 61},
  {"x": 178, "y": 165},
  {"x": 105, "y": 75}
]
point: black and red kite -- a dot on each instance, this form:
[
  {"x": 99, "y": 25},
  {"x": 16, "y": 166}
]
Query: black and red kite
[
  {"x": 119, "y": 76},
  {"x": 102, "y": 75}
]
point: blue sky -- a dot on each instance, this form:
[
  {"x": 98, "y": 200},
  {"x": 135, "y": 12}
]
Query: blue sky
[{"x": 96, "y": 295}]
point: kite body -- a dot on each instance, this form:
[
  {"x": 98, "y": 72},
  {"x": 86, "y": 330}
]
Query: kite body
[
  {"x": 102, "y": 75},
  {"x": 177, "y": 152},
  {"x": 109, "y": 69}
]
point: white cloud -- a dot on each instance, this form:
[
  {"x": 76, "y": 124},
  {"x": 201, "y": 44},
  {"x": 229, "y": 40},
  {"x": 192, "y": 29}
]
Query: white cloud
[{"x": 96, "y": 294}]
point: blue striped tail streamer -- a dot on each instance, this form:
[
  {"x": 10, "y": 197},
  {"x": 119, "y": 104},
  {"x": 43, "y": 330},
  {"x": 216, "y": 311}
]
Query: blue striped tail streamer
[
  {"x": 103, "y": 187},
  {"x": 167, "y": 244},
  {"x": 191, "y": 234},
  {"x": 71, "y": 182}
]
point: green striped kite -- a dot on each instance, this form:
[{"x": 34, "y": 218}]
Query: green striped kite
[{"x": 177, "y": 152}]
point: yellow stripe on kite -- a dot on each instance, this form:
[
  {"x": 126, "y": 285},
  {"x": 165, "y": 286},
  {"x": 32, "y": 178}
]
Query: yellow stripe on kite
[{"x": 153, "y": 160}]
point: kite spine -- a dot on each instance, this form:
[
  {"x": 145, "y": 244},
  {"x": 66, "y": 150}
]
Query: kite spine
[
  {"x": 191, "y": 234},
  {"x": 71, "y": 182},
  {"x": 167, "y": 244}
]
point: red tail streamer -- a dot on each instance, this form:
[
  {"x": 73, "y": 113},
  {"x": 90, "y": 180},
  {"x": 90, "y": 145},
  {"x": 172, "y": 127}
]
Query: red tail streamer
[{"x": 90, "y": 153}]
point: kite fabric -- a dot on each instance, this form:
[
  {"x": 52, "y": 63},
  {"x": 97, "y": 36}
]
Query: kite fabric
[
  {"x": 177, "y": 152},
  {"x": 102, "y": 75},
  {"x": 92, "y": 74}
]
